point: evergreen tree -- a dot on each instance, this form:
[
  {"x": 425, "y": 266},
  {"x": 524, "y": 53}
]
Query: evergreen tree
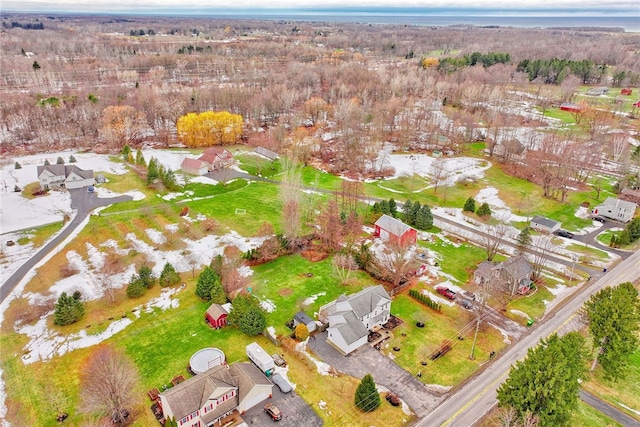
[
  {"x": 146, "y": 275},
  {"x": 60, "y": 161},
  {"x": 375, "y": 208},
  {"x": 35, "y": 66},
  {"x": 623, "y": 238},
  {"x": 470, "y": 205},
  {"x": 484, "y": 210},
  {"x": 169, "y": 276},
  {"x": 126, "y": 151},
  {"x": 546, "y": 383},
  {"x": 406, "y": 211},
  {"x": 367, "y": 397},
  {"x": 152, "y": 171},
  {"x": 252, "y": 322},
  {"x": 415, "y": 208},
  {"x": 614, "y": 321},
  {"x": 207, "y": 280},
  {"x": 384, "y": 207},
  {"x": 424, "y": 219},
  {"x": 393, "y": 208},
  {"x": 240, "y": 306},
  {"x": 140, "y": 158},
  {"x": 69, "y": 309},
  {"x": 46, "y": 162},
  {"x": 524, "y": 239},
  {"x": 72, "y": 159},
  {"x": 633, "y": 228},
  {"x": 136, "y": 287},
  {"x": 17, "y": 166}
]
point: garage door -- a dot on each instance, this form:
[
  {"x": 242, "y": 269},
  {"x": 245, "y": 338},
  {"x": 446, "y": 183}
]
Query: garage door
[{"x": 253, "y": 399}]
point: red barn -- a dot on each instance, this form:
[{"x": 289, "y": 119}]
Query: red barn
[
  {"x": 572, "y": 108},
  {"x": 216, "y": 315},
  {"x": 395, "y": 231}
]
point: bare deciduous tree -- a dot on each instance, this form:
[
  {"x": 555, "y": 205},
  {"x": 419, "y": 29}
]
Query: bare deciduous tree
[
  {"x": 397, "y": 260},
  {"x": 344, "y": 265},
  {"x": 291, "y": 197},
  {"x": 491, "y": 236},
  {"x": 540, "y": 249},
  {"x": 109, "y": 384}
]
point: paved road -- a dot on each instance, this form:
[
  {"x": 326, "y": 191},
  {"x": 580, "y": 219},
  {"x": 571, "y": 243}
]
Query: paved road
[
  {"x": 610, "y": 411},
  {"x": 471, "y": 402},
  {"x": 83, "y": 203}
]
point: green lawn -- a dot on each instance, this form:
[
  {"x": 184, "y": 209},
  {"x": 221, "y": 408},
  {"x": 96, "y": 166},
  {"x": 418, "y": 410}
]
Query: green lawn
[
  {"x": 418, "y": 343},
  {"x": 556, "y": 113},
  {"x": 258, "y": 165},
  {"x": 588, "y": 253},
  {"x": 458, "y": 260},
  {"x": 586, "y": 416},
  {"x": 288, "y": 281},
  {"x": 532, "y": 304}
]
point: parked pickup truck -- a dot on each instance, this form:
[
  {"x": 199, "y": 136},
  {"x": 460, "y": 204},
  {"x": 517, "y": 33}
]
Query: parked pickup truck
[{"x": 446, "y": 292}]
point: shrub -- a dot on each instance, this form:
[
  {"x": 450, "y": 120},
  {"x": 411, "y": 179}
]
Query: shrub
[
  {"x": 60, "y": 161},
  {"x": 18, "y": 166},
  {"x": 301, "y": 332},
  {"x": 169, "y": 276},
  {"x": 484, "y": 210},
  {"x": 146, "y": 275},
  {"x": 184, "y": 211},
  {"x": 72, "y": 159}
]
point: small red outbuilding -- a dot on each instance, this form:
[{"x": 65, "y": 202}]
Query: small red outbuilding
[
  {"x": 395, "y": 231},
  {"x": 216, "y": 315}
]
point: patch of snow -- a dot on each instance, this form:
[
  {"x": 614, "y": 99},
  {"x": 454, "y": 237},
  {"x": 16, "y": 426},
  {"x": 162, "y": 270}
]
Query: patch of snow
[
  {"x": 137, "y": 195},
  {"x": 324, "y": 369},
  {"x": 172, "y": 228},
  {"x": 268, "y": 305},
  {"x": 245, "y": 271},
  {"x": 438, "y": 299},
  {"x": 164, "y": 301},
  {"x": 311, "y": 299},
  {"x": 368, "y": 230},
  {"x": 203, "y": 180},
  {"x": 156, "y": 236},
  {"x": 628, "y": 408},
  {"x": 498, "y": 207},
  {"x": 307, "y": 191},
  {"x": 505, "y": 336},
  {"x": 557, "y": 290},
  {"x": 520, "y": 313}
]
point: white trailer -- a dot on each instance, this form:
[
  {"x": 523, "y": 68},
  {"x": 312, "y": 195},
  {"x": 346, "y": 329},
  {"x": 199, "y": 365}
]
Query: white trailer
[{"x": 261, "y": 358}]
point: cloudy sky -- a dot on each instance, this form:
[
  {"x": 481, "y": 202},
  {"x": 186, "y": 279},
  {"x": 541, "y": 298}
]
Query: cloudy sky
[{"x": 588, "y": 7}]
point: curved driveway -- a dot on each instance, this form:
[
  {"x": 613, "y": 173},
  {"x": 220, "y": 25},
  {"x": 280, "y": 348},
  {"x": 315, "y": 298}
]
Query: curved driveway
[{"x": 83, "y": 203}]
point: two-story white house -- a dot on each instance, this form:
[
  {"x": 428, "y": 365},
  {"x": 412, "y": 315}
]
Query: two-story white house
[
  {"x": 207, "y": 398},
  {"x": 64, "y": 176},
  {"x": 351, "y": 317},
  {"x": 620, "y": 210}
]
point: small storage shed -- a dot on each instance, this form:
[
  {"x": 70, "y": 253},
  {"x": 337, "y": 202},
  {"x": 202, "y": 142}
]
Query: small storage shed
[
  {"x": 302, "y": 317},
  {"x": 543, "y": 224},
  {"x": 216, "y": 315}
]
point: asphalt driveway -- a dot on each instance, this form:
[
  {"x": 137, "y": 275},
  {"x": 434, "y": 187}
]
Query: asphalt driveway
[
  {"x": 295, "y": 412},
  {"x": 367, "y": 360}
]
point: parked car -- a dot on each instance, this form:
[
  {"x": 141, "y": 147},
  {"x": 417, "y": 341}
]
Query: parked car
[
  {"x": 282, "y": 383},
  {"x": 446, "y": 292},
  {"x": 273, "y": 411},
  {"x": 393, "y": 399},
  {"x": 600, "y": 219},
  {"x": 563, "y": 233}
]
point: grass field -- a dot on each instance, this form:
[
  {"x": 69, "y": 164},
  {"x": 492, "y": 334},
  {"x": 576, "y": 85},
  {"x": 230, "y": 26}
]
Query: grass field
[{"x": 458, "y": 260}]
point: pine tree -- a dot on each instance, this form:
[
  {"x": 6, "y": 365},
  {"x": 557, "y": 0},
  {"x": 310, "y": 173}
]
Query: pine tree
[
  {"x": 524, "y": 239},
  {"x": 614, "y": 321},
  {"x": 484, "y": 210},
  {"x": 169, "y": 276},
  {"x": 17, "y": 166},
  {"x": 384, "y": 207},
  {"x": 206, "y": 282},
  {"x": 393, "y": 208},
  {"x": 152, "y": 171},
  {"x": 406, "y": 211},
  {"x": 140, "y": 158},
  {"x": 126, "y": 151},
  {"x": 367, "y": 397},
  {"x": 72, "y": 159},
  {"x": 253, "y": 322},
  {"x": 470, "y": 205},
  {"x": 415, "y": 208},
  {"x": 424, "y": 219},
  {"x": 46, "y": 162},
  {"x": 146, "y": 275},
  {"x": 60, "y": 161},
  {"x": 241, "y": 305},
  {"x": 136, "y": 287},
  {"x": 69, "y": 309},
  {"x": 546, "y": 383}
]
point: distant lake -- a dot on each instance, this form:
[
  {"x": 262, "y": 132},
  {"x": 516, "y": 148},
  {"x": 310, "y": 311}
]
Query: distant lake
[{"x": 630, "y": 23}]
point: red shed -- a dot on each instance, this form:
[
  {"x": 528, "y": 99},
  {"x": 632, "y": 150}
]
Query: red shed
[
  {"x": 393, "y": 230},
  {"x": 216, "y": 315},
  {"x": 573, "y": 108},
  {"x": 626, "y": 91}
]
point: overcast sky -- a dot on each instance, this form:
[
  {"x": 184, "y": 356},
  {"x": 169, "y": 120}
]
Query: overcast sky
[{"x": 589, "y": 7}]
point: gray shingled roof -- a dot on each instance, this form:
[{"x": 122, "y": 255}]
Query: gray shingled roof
[
  {"x": 517, "y": 267},
  {"x": 544, "y": 221},
  {"x": 619, "y": 203},
  {"x": 302, "y": 317},
  {"x": 392, "y": 225},
  {"x": 192, "y": 394},
  {"x": 216, "y": 310},
  {"x": 485, "y": 269},
  {"x": 65, "y": 170},
  {"x": 365, "y": 301},
  {"x": 247, "y": 375},
  {"x": 353, "y": 329}
]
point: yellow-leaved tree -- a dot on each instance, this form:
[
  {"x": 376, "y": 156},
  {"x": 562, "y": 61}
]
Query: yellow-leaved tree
[{"x": 209, "y": 128}]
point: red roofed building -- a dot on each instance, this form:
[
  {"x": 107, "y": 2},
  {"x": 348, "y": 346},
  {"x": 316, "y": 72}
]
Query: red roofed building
[
  {"x": 216, "y": 158},
  {"x": 626, "y": 91},
  {"x": 194, "y": 167},
  {"x": 395, "y": 231},
  {"x": 572, "y": 108}
]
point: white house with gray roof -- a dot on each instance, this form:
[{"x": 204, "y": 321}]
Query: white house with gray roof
[
  {"x": 541, "y": 223},
  {"x": 351, "y": 317},
  {"x": 64, "y": 176},
  {"x": 620, "y": 210}
]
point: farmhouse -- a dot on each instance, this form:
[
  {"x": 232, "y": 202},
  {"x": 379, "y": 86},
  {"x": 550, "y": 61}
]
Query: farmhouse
[
  {"x": 394, "y": 231},
  {"x": 205, "y": 399},
  {"x": 64, "y": 176},
  {"x": 302, "y": 317},
  {"x": 351, "y": 318},
  {"x": 543, "y": 224},
  {"x": 216, "y": 316},
  {"x": 194, "y": 166},
  {"x": 512, "y": 275},
  {"x": 620, "y": 210}
]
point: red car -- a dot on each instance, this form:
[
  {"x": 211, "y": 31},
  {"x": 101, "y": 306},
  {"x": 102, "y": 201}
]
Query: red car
[
  {"x": 446, "y": 292},
  {"x": 273, "y": 411}
]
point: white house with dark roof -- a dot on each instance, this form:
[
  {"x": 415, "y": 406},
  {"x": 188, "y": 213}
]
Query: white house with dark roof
[
  {"x": 351, "y": 317},
  {"x": 207, "y": 398},
  {"x": 620, "y": 210},
  {"x": 64, "y": 176}
]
